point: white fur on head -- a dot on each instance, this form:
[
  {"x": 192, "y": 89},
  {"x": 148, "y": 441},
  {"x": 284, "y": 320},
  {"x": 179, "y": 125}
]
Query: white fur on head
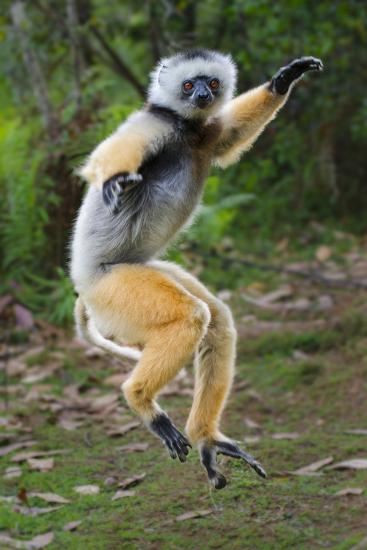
[{"x": 167, "y": 78}]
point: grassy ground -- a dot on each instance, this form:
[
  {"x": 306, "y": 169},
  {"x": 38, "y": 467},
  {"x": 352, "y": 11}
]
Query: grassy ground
[{"x": 307, "y": 377}]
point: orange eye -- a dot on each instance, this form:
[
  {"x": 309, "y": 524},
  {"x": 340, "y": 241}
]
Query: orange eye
[
  {"x": 214, "y": 84},
  {"x": 188, "y": 85}
]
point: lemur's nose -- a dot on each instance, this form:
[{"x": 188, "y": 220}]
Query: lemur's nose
[{"x": 203, "y": 95}]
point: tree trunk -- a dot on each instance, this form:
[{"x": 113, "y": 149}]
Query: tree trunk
[
  {"x": 76, "y": 48},
  {"x": 34, "y": 70}
]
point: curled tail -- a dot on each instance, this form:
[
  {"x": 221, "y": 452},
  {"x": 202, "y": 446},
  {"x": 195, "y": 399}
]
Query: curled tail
[{"x": 88, "y": 331}]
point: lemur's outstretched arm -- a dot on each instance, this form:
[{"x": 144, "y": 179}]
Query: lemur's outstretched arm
[
  {"x": 245, "y": 117},
  {"x": 114, "y": 163}
]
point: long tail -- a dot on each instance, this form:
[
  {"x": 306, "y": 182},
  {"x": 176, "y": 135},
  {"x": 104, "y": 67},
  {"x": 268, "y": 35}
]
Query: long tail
[{"x": 88, "y": 331}]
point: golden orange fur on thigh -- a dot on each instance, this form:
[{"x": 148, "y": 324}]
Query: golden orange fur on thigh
[
  {"x": 214, "y": 359},
  {"x": 161, "y": 313},
  {"x": 131, "y": 301}
]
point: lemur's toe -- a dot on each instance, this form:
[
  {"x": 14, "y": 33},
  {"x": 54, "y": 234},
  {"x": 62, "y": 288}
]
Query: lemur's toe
[
  {"x": 174, "y": 440},
  {"x": 229, "y": 448},
  {"x": 208, "y": 459}
]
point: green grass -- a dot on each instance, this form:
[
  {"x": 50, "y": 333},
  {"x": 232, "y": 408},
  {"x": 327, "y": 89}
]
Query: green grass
[{"x": 319, "y": 396}]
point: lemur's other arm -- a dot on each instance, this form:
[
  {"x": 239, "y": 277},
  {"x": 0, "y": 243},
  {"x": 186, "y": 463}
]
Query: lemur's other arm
[
  {"x": 245, "y": 117},
  {"x": 113, "y": 165}
]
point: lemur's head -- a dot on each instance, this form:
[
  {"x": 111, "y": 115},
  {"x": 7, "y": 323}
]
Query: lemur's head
[{"x": 195, "y": 83}]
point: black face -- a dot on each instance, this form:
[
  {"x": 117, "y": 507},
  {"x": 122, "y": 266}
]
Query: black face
[{"x": 201, "y": 90}]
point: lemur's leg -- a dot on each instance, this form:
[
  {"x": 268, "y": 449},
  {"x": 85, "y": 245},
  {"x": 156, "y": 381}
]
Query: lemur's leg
[
  {"x": 214, "y": 364},
  {"x": 144, "y": 305},
  {"x": 246, "y": 116}
]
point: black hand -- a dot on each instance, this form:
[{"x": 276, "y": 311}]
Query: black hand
[
  {"x": 282, "y": 80},
  {"x": 114, "y": 188}
]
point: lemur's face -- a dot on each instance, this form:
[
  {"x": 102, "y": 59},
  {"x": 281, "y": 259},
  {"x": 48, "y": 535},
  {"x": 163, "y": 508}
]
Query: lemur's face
[
  {"x": 195, "y": 84},
  {"x": 200, "y": 91}
]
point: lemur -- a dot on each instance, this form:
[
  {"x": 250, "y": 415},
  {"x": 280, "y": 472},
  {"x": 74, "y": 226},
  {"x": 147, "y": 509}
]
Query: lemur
[{"x": 146, "y": 182}]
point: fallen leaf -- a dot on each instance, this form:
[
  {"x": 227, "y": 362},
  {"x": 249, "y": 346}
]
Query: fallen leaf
[
  {"x": 41, "y": 541},
  {"x": 38, "y": 542},
  {"x": 50, "y": 497},
  {"x": 116, "y": 380},
  {"x": 194, "y": 515},
  {"x": 323, "y": 253},
  {"x": 21, "y": 457},
  {"x": 251, "y": 439},
  {"x": 15, "y": 367},
  {"x": 349, "y": 491},
  {"x": 285, "y": 435},
  {"x": 15, "y": 446},
  {"x": 313, "y": 467},
  {"x": 123, "y": 494},
  {"x": 8, "y": 499},
  {"x": 71, "y": 526},
  {"x": 12, "y": 472},
  {"x": 122, "y": 430},
  {"x": 87, "y": 489},
  {"x": 41, "y": 464},
  {"x": 34, "y": 511},
  {"x": 352, "y": 464},
  {"x": 133, "y": 448},
  {"x": 131, "y": 481},
  {"x": 70, "y": 425},
  {"x": 251, "y": 424},
  {"x": 101, "y": 403},
  {"x": 23, "y": 317},
  {"x": 356, "y": 432}
]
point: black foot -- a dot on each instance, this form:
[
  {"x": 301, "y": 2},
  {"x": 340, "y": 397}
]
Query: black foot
[
  {"x": 209, "y": 453},
  {"x": 175, "y": 441},
  {"x": 281, "y": 82},
  {"x": 115, "y": 187}
]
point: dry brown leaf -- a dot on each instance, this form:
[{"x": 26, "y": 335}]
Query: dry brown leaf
[
  {"x": 349, "y": 491},
  {"x": 352, "y": 464},
  {"x": 69, "y": 424},
  {"x": 251, "y": 439},
  {"x": 15, "y": 367},
  {"x": 87, "y": 489},
  {"x": 41, "y": 541},
  {"x": 356, "y": 432},
  {"x": 38, "y": 542},
  {"x": 41, "y": 464},
  {"x": 34, "y": 511},
  {"x": 52, "y": 498},
  {"x": 101, "y": 403},
  {"x": 116, "y": 380},
  {"x": 133, "y": 448},
  {"x": 21, "y": 457},
  {"x": 15, "y": 446},
  {"x": 12, "y": 472},
  {"x": 194, "y": 515},
  {"x": 314, "y": 466},
  {"x": 122, "y": 430},
  {"x": 71, "y": 526},
  {"x": 285, "y": 435},
  {"x": 123, "y": 494},
  {"x": 131, "y": 481},
  {"x": 323, "y": 253},
  {"x": 251, "y": 424}
]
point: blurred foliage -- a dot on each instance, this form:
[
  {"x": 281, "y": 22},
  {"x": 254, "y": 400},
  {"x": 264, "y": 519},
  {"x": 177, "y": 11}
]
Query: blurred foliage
[{"x": 308, "y": 165}]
